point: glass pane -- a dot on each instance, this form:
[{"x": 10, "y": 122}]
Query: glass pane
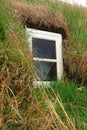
[
  {"x": 43, "y": 48},
  {"x": 45, "y": 71}
]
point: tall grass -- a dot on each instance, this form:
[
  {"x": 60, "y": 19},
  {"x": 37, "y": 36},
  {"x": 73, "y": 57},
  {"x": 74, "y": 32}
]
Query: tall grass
[
  {"x": 21, "y": 106},
  {"x": 66, "y": 103}
]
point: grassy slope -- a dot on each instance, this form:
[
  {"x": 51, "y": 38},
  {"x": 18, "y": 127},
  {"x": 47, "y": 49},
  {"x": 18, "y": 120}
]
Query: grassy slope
[
  {"x": 73, "y": 99},
  {"x": 76, "y": 17},
  {"x": 46, "y": 110}
]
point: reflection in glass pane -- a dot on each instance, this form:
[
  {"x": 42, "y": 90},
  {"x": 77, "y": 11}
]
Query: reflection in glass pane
[
  {"x": 43, "y": 48},
  {"x": 45, "y": 71}
]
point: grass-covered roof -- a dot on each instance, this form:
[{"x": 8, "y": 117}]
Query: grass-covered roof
[{"x": 45, "y": 18}]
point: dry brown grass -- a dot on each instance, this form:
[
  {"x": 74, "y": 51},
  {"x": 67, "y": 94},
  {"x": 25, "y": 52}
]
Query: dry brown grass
[
  {"x": 39, "y": 17},
  {"x": 76, "y": 68},
  {"x": 15, "y": 79}
]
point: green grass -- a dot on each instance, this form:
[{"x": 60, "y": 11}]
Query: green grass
[
  {"x": 73, "y": 99},
  {"x": 63, "y": 106}
]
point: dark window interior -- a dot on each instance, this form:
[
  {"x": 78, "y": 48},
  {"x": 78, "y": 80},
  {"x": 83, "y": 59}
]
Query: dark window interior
[
  {"x": 50, "y": 28},
  {"x": 43, "y": 48},
  {"x": 45, "y": 71}
]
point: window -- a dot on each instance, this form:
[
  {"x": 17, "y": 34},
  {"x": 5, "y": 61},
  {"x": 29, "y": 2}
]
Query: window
[{"x": 46, "y": 48}]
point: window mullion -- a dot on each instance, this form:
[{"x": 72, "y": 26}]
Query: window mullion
[{"x": 45, "y": 59}]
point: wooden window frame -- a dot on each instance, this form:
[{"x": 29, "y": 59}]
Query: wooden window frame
[{"x": 33, "y": 33}]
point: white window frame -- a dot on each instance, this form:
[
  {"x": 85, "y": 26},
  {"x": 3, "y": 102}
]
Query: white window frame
[{"x": 33, "y": 33}]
